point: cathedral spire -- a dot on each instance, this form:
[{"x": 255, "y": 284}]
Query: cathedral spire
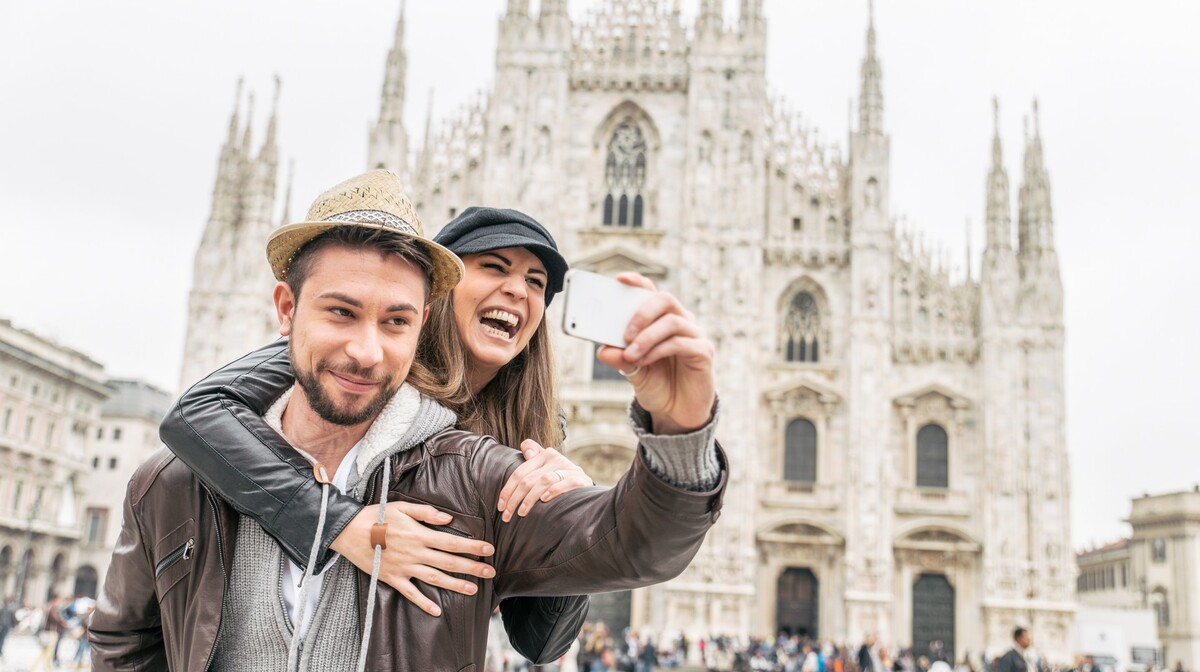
[
  {"x": 708, "y": 21},
  {"x": 1036, "y": 218},
  {"x": 999, "y": 218},
  {"x": 517, "y": 8},
  {"x": 234, "y": 119},
  {"x": 249, "y": 123},
  {"x": 870, "y": 106},
  {"x": 388, "y": 145},
  {"x": 751, "y": 17},
  {"x": 554, "y": 22},
  {"x": 553, "y": 8},
  {"x": 269, "y": 145},
  {"x": 286, "y": 218}
]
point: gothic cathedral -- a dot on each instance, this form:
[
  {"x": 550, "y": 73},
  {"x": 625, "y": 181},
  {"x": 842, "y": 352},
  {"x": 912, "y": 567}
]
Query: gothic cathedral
[{"x": 896, "y": 431}]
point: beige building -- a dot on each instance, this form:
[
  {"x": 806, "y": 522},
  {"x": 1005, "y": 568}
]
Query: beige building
[
  {"x": 126, "y": 434},
  {"x": 1153, "y": 569},
  {"x": 50, "y": 401},
  {"x": 896, "y": 429},
  {"x": 1105, "y": 579}
]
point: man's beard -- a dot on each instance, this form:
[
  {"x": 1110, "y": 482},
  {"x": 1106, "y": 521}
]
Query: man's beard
[{"x": 327, "y": 408}]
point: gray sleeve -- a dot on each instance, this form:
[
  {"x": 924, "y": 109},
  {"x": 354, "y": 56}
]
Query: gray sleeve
[{"x": 687, "y": 461}]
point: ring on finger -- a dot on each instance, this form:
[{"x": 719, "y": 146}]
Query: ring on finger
[
  {"x": 561, "y": 477},
  {"x": 630, "y": 374}
]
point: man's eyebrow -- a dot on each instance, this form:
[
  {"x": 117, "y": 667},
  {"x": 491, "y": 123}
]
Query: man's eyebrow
[
  {"x": 402, "y": 308},
  {"x": 338, "y": 296}
]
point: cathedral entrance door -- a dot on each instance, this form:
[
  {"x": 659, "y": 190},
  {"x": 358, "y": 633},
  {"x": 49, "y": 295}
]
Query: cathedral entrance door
[
  {"x": 933, "y": 617},
  {"x": 797, "y": 601},
  {"x": 612, "y": 609}
]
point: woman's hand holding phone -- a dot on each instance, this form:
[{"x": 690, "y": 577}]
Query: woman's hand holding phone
[{"x": 669, "y": 361}]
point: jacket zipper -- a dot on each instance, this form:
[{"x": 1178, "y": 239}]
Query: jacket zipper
[
  {"x": 224, "y": 579},
  {"x": 184, "y": 552}
]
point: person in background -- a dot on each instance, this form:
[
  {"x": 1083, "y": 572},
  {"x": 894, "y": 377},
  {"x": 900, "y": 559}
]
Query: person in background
[
  {"x": 8, "y": 619},
  {"x": 1015, "y": 660}
]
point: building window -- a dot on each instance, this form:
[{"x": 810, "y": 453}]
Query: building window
[
  {"x": 800, "y": 452},
  {"x": 7, "y": 419},
  {"x": 1162, "y": 611},
  {"x": 797, "y": 224},
  {"x": 602, "y": 371},
  {"x": 933, "y": 457},
  {"x": 625, "y": 176},
  {"x": 18, "y": 490},
  {"x": 99, "y": 433},
  {"x": 95, "y": 463},
  {"x": 112, "y": 463},
  {"x": 28, "y": 428},
  {"x": 1158, "y": 550},
  {"x": 802, "y": 329},
  {"x": 116, "y": 434},
  {"x": 97, "y": 520}
]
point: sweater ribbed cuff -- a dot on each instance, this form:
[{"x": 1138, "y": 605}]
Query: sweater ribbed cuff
[{"x": 686, "y": 461}]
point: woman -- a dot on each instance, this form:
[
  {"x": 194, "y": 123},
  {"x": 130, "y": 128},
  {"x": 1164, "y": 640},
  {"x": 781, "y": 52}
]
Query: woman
[{"x": 485, "y": 355}]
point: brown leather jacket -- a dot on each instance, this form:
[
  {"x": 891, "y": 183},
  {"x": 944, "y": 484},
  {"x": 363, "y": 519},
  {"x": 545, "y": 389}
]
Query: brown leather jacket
[{"x": 160, "y": 606}]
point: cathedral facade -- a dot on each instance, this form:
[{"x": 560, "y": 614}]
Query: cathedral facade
[{"x": 895, "y": 432}]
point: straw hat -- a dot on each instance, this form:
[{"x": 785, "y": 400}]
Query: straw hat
[{"x": 373, "y": 200}]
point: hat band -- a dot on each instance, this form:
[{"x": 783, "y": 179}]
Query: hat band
[{"x": 374, "y": 217}]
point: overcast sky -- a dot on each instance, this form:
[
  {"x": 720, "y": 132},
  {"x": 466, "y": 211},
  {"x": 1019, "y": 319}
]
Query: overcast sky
[{"x": 112, "y": 115}]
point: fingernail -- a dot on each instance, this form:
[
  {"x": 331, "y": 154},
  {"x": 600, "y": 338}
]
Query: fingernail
[
  {"x": 436, "y": 611},
  {"x": 546, "y": 497},
  {"x": 471, "y": 589},
  {"x": 488, "y": 550},
  {"x": 521, "y": 511},
  {"x": 445, "y": 517},
  {"x": 507, "y": 516},
  {"x": 500, "y": 506},
  {"x": 489, "y": 573},
  {"x": 633, "y": 351}
]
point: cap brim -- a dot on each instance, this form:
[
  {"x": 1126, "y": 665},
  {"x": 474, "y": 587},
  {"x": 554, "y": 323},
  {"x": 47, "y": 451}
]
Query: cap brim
[
  {"x": 495, "y": 241},
  {"x": 287, "y": 240}
]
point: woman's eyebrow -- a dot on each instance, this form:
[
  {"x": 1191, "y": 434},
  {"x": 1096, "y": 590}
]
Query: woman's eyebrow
[{"x": 498, "y": 256}]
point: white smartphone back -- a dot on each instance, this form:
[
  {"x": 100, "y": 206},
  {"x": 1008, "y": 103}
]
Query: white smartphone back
[{"x": 598, "y": 308}]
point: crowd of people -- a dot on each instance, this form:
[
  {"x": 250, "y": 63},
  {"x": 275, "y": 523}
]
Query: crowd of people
[
  {"x": 60, "y": 626},
  {"x": 600, "y": 650}
]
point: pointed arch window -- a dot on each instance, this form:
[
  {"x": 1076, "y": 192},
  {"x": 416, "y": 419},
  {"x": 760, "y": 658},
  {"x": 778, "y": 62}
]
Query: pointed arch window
[
  {"x": 800, "y": 452},
  {"x": 933, "y": 457},
  {"x": 802, "y": 329},
  {"x": 625, "y": 176}
]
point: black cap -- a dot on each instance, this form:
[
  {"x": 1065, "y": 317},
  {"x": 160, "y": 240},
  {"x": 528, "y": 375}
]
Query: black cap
[{"x": 478, "y": 230}]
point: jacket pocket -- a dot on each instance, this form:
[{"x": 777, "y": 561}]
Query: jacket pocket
[
  {"x": 463, "y": 525},
  {"x": 173, "y": 557},
  {"x": 468, "y": 668}
]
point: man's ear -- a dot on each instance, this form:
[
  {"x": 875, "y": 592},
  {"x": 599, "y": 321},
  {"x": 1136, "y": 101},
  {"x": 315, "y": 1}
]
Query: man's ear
[{"x": 285, "y": 307}]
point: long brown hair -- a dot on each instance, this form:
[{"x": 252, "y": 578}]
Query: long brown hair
[{"x": 519, "y": 403}]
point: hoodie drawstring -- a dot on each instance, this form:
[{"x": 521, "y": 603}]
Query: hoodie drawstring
[
  {"x": 301, "y": 627},
  {"x": 366, "y": 636}
]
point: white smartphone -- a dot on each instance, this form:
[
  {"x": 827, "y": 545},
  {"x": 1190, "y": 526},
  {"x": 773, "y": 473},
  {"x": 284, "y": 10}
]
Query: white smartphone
[{"x": 598, "y": 308}]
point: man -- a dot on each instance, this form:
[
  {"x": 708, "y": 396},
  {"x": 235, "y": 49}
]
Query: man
[
  {"x": 1015, "y": 660},
  {"x": 8, "y": 619},
  {"x": 193, "y": 586},
  {"x": 868, "y": 655}
]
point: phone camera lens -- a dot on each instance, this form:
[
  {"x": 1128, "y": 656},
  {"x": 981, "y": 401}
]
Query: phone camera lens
[{"x": 572, "y": 325}]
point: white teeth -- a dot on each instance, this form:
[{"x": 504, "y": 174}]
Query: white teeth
[
  {"x": 503, "y": 316},
  {"x": 496, "y": 332}
]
